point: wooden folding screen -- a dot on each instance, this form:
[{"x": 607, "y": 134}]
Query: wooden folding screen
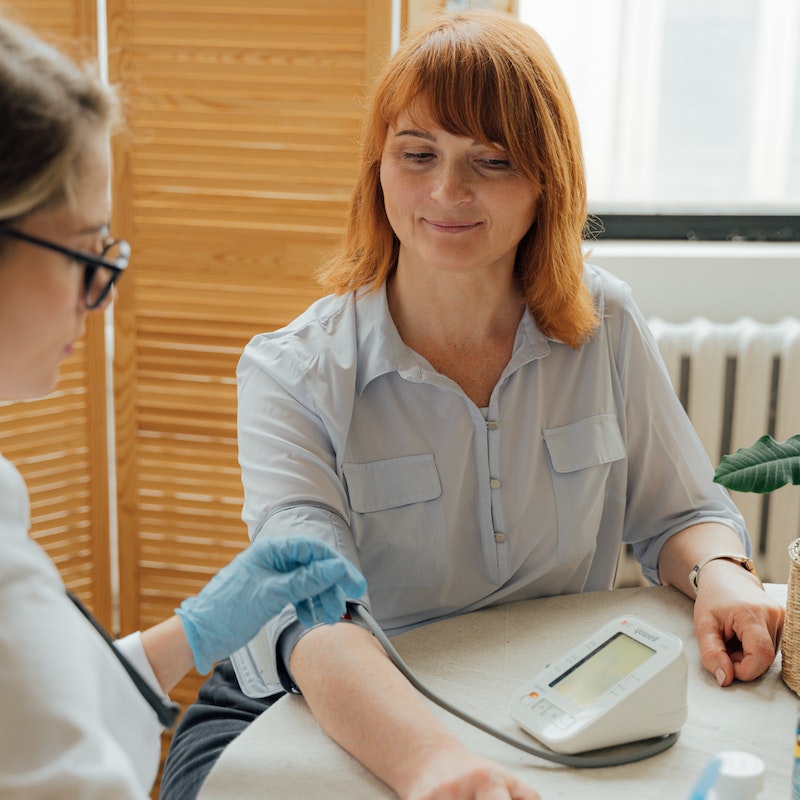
[
  {"x": 231, "y": 183},
  {"x": 60, "y": 443}
]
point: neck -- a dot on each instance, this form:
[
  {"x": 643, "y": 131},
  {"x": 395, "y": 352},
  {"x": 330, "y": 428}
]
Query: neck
[
  {"x": 464, "y": 311},
  {"x": 466, "y": 330}
]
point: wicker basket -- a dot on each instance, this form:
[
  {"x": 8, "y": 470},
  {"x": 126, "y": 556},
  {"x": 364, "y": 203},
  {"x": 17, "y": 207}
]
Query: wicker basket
[{"x": 790, "y": 649}]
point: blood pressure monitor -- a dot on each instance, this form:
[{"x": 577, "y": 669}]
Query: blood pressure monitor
[{"x": 624, "y": 683}]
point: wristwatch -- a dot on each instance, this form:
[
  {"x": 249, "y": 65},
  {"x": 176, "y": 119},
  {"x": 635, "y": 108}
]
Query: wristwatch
[{"x": 745, "y": 561}]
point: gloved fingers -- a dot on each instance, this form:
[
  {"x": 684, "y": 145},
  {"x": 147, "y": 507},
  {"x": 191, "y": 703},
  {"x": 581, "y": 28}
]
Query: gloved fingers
[
  {"x": 336, "y": 571},
  {"x": 305, "y": 612},
  {"x": 285, "y": 553},
  {"x": 353, "y": 584},
  {"x": 327, "y": 607},
  {"x": 330, "y": 605},
  {"x": 316, "y": 577},
  {"x": 308, "y": 549}
]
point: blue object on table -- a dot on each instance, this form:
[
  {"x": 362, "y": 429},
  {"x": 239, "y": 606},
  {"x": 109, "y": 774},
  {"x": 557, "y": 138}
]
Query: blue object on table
[{"x": 707, "y": 780}]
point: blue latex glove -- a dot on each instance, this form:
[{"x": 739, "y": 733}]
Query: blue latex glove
[{"x": 271, "y": 573}]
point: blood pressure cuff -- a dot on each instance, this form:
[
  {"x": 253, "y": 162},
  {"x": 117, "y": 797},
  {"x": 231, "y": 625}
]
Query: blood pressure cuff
[
  {"x": 261, "y": 667},
  {"x": 287, "y": 641}
]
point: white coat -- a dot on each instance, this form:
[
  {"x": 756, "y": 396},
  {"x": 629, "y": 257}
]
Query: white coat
[{"x": 72, "y": 724}]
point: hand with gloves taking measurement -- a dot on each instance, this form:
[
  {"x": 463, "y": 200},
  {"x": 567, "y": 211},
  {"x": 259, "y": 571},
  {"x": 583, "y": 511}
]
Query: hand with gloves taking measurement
[{"x": 271, "y": 573}]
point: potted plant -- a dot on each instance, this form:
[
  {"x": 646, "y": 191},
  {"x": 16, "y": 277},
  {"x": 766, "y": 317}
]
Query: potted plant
[{"x": 765, "y": 466}]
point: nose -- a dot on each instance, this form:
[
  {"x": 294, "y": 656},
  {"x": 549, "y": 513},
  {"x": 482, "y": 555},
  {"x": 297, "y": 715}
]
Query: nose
[{"x": 452, "y": 186}]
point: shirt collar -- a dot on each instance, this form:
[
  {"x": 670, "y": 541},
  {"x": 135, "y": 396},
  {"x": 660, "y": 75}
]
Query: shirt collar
[{"x": 381, "y": 350}]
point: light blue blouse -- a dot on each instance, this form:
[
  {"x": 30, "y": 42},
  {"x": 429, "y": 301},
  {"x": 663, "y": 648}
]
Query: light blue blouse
[{"x": 347, "y": 434}]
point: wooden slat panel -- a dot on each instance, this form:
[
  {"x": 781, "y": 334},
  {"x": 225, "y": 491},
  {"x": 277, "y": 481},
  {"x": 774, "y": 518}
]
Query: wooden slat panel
[
  {"x": 59, "y": 443},
  {"x": 231, "y": 183}
]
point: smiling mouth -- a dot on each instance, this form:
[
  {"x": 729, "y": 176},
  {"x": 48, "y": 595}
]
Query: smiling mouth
[{"x": 452, "y": 227}]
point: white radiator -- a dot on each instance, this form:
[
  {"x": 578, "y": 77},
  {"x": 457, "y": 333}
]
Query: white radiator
[{"x": 738, "y": 381}]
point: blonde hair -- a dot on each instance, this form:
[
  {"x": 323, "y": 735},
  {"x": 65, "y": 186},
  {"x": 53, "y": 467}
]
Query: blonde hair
[
  {"x": 48, "y": 106},
  {"x": 485, "y": 75}
]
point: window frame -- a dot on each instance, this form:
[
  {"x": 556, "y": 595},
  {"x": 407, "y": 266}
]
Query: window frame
[
  {"x": 695, "y": 227},
  {"x": 777, "y": 39}
]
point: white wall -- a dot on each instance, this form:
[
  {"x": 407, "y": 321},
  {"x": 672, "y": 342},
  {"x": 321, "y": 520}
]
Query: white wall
[{"x": 718, "y": 280}]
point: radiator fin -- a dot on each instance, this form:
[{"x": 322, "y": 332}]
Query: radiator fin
[{"x": 738, "y": 381}]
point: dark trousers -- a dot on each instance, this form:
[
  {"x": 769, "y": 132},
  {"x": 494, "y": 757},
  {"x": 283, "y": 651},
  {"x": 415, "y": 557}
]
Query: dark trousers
[{"x": 220, "y": 713}]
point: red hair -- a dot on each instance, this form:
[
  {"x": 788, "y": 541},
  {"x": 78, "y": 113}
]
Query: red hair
[{"x": 488, "y": 76}]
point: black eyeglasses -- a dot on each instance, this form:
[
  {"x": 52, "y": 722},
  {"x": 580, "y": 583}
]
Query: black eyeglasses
[{"x": 100, "y": 272}]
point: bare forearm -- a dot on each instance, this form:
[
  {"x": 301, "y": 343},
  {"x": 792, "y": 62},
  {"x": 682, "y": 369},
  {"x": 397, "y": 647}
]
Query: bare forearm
[
  {"x": 690, "y": 546},
  {"x": 365, "y": 704},
  {"x": 168, "y": 652}
]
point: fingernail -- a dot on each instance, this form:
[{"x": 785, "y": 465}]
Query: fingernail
[{"x": 720, "y": 675}]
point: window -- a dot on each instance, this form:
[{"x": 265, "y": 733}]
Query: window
[{"x": 689, "y": 110}]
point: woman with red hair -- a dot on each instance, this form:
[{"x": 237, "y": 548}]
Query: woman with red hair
[{"x": 473, "y": 416}]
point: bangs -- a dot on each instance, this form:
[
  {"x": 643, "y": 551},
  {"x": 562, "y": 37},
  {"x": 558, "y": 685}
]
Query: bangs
[
  {"x": 489, "y": 94},
  {"x": 463, "y": 101}
]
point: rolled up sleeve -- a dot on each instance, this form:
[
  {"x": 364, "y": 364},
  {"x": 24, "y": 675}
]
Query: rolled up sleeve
[
  {"x": 670, "y": 484},
  {"x": 284, "y": 631},
  {"x": 292, "y": 487}
]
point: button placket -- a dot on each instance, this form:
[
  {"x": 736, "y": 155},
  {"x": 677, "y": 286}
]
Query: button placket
[{"x": 495, "y": 483}]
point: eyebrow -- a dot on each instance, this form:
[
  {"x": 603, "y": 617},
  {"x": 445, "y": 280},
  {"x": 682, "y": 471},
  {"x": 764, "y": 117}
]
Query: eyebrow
[
  {"x": 418, "y": 134},
  {"x": 427, "y": 136}
]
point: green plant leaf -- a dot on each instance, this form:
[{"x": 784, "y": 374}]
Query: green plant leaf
[{"x": 763, "y": 467}]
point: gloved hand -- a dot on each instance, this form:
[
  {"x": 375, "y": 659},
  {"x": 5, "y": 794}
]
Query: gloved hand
[{"x": 271, "y": 573}]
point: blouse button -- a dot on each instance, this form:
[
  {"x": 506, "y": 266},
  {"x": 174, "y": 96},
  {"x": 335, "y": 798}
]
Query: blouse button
[
  {"x": 494, "y": 483},
  {"x": 499, "y": 538}
]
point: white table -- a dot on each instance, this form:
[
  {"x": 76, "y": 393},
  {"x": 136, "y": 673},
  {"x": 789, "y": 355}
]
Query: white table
[{"x": 477, "y": 661}]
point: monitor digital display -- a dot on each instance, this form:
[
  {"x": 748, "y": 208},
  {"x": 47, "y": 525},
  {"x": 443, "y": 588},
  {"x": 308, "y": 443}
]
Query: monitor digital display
[{"x": 601, "y": 669}]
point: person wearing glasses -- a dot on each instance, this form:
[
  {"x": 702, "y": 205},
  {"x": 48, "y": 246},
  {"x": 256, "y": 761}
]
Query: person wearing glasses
[
  {"x": 80, "y": 715},
  {"x": 476, "y": 415}
]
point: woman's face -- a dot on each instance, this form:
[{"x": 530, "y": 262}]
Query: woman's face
[
  {"x": 42, "y": 313},
  {"x": 454, "y": 203}
]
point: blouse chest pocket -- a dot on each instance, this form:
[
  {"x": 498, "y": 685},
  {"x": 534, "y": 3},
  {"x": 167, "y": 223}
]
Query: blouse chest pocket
[
  {"x": 581, "y": 455},
  {"x": 398, "y": 521}
]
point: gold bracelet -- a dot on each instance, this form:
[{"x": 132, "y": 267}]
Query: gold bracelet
[{"x": 745, "y": 561}]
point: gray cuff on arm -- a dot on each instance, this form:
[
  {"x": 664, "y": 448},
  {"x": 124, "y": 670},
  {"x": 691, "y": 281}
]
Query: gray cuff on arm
[
  {"x": 285, "y": 631},
  {"x": 287, "y": 640}
]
